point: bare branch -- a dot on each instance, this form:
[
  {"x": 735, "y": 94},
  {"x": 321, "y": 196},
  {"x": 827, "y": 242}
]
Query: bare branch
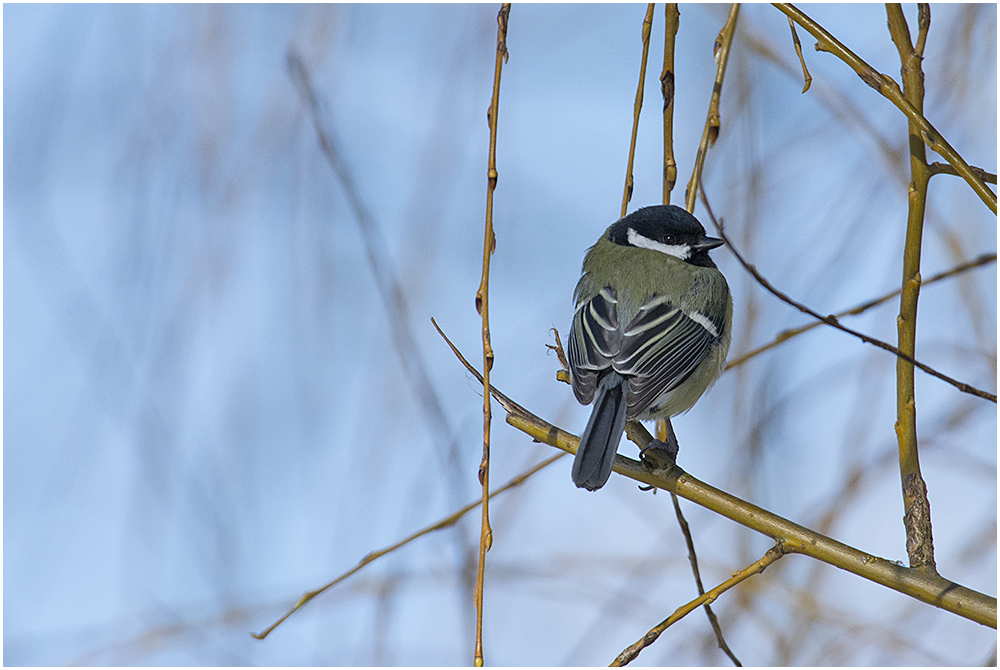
[
  {"x": 693, "y": 559},
  {"x": 647, "y": 24},
  {"x": 483, "y": 307},
  {"x": 890, "y": 89},
  {"x": 629, "y": 654},
  {"x": 921, "y": 585},
  {"x": 807, "y": 78},
  {"x": 446, "y": 522},
  {"x": 831, "y": 320},
  {"x": 786, "y": 335},
  {"x": 714, "y": 120}
]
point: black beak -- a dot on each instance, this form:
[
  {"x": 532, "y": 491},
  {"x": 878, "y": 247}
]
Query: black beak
[{"x": 707, "y": 243}]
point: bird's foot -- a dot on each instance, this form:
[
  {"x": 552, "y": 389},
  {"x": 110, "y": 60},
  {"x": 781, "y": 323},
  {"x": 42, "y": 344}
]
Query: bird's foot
[{"x": 660, "y": 455}]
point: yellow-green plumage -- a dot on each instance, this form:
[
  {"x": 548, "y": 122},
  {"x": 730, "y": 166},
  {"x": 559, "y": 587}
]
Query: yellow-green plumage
[
  {"x": 651, "y": 329},
  {"x": 647, "y": 269}
]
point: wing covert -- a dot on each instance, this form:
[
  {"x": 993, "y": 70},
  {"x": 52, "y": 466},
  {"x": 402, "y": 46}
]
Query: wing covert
[{"x": 660, "y": 348}]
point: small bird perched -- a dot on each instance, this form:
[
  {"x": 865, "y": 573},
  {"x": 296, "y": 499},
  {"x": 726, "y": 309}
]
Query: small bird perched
[{"x": 650, "y": 332}]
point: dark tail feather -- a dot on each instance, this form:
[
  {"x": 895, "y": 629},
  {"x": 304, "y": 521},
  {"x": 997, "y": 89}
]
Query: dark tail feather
[{"x": 599, "y": 443}]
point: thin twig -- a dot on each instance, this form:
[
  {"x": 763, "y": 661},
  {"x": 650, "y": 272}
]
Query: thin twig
[
  {"x": 664, "y": 433},
  {"x": 923, "y": 25},
  {"x": 786, "y": 335},
  {"x": 890, "y": 90},
  {"x": 836, "y": 101},
  {"x": 482, "y": 306},
  {"x": 714, "y": 120},
  {"x": 504, "y": 401},
  {"x": 560, "y": 353},
  {"x": 757, "y": 567},
  {"x": 807, "y": 78},
  {"x": 831, "y": 320},
  {"x": 647, "y": 24},
  {"x": 944, "y": 168},
  {"x": 446, "y": 522}
]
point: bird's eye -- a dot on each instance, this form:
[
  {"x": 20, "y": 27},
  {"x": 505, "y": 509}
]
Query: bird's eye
[{"x": 669, "y": 239}]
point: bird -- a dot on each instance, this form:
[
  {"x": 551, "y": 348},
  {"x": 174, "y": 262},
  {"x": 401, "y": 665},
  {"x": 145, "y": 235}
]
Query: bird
[{"x": 651, "y": 329}]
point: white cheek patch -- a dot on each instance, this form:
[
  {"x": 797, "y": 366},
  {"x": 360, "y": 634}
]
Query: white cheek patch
[
  {"x": 704, "y": 322},
  {"x": 681, "y": 251}
]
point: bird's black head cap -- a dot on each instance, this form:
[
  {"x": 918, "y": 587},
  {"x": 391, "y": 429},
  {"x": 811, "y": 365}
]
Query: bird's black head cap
[{"x": 667, "y": 225}]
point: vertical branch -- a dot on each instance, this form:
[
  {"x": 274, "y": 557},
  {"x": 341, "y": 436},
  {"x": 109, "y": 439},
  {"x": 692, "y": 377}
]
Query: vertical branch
[
  {"x": 917, "y": 517},
  {"x": 647, "y": 24},
  {"x": 482, "y": 306},
  {"x": 671, "y": 22},
  {"x": 713, "y": 122}
]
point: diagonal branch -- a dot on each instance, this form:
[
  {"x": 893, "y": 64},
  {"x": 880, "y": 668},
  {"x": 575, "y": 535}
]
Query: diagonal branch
[
  {"x": 929, "y": 588},
  {"x": 693, "y": 559},
  {"x": 885, "y": 85},
  {"x": 371, "y": 557},
  {"x": 831, "y": 320},
  {"x": 389, "y": 285},
  {"x": 757, "y": 567},
  {"x": 788, "y": 334}
]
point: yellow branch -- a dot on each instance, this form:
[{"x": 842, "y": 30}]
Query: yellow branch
[
  {"x": 629, "y": 654},
  {"x": 482, "y": 306},
  {"x": 924, "y": 586},
  {"x": 890, "y": 90},
  {"x": 714, "y": 121},
  {"x": 647, "y": 24}
]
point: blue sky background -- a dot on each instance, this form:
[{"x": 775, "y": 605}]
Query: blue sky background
[{"x": 207, "y": 414}]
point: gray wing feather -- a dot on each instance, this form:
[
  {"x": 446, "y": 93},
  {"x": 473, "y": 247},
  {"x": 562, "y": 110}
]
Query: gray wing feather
[
  {"x": 660, "y": 348},
  {"x": 656, "y": 351},
  {"x": 594, "y": 343}
]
